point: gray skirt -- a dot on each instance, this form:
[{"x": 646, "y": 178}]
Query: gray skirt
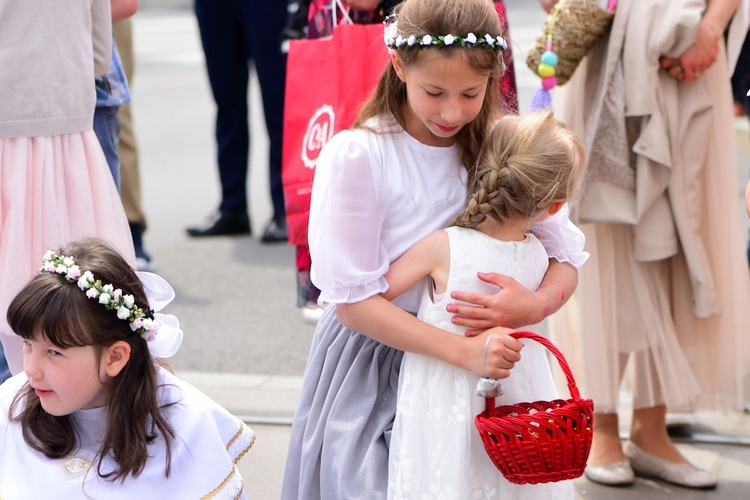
[{"x": 342, "y": 426}]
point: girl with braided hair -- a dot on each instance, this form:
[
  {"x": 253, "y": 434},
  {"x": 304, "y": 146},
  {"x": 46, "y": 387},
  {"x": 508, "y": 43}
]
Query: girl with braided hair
[
  {"x": 401, "y": 172},
  {"x": 526, "y": 171}
]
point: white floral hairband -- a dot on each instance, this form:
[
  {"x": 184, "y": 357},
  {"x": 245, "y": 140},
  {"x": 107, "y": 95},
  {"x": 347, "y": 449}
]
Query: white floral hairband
[
  {"x": 395, "y": 41},
  {"x": 169, "y": 337}
]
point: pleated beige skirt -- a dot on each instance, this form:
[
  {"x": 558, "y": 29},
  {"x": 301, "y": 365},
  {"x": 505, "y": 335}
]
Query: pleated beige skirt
[{"x": 625, "y": 311}]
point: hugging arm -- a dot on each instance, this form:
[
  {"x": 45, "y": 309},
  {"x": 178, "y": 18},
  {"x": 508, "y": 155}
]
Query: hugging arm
[
  {"x": 388, "y": 324},
  {"x": 514, "y": 305},
  {"x": 429, "y": 257}
]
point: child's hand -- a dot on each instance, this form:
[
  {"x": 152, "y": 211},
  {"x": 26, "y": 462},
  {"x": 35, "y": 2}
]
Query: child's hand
[
  {"x": 513, "y": 306},
  {"x": 494, "y": 353},
  {"x": 747, "y": 198}
]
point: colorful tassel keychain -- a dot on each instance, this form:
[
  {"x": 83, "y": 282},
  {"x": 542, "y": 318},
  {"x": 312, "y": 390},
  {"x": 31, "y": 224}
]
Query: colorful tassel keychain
[{"x": 547, "y": 71}]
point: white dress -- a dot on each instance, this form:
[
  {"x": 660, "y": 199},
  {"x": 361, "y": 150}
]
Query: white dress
[
  {"x": 208, "y": 443},
  {"x": 436, "y": 451}
]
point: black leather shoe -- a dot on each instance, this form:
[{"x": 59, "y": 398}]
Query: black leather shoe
[
  {"x": 223, "y": 224},
  {"x": 275, "y": 230}
]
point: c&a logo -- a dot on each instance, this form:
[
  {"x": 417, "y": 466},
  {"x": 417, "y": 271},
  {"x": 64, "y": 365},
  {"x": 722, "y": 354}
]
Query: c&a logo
[{"x": 319, "y": 131}]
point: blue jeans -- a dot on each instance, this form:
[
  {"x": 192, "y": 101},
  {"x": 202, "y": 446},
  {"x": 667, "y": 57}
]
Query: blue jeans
[
  {"x": 4, "y": 370},
  {"x": 107, "y": 129}
]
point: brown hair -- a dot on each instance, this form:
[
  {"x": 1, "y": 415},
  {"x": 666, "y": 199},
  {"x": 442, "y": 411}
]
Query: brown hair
[
  {"x": 527, "y": 163},
  {"x": 61, "y": 312},
  {"x": 443, "y": 17}
]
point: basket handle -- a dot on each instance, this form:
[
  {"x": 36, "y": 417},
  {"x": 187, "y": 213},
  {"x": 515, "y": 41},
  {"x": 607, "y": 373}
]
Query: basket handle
[{"x": 524, "y": 334}]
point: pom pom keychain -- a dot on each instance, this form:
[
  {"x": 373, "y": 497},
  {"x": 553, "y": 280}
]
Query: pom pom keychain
[
  {"x": 547, "y": 70},
  {"x": 577, "y": 25}
]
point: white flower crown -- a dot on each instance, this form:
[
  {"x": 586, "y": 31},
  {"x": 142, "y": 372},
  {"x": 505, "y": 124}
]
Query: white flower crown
[
  {"x": 110, "y": 297},
  {"x": 395, "y": 41}
]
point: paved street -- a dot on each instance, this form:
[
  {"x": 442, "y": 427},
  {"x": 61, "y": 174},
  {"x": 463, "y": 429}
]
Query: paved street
[{"x": 245, "y": 341}]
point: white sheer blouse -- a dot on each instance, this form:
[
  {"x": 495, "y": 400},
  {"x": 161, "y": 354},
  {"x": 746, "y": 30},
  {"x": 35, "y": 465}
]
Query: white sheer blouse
[{"x": 376, "y": 194}]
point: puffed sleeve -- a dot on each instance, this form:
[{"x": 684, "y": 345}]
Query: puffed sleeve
[
  {"x": 561, "y": 238},
  {"x": 101, "y": 34},
  {"x": 347, "y": 213}
]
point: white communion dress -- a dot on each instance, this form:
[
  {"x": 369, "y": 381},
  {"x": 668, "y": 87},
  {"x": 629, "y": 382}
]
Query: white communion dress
[
  {"x": 208, "y": 443},
  {"x": 436, "y": 451}
]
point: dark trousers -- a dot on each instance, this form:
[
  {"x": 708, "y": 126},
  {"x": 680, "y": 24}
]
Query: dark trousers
[{"x": 234, "y": 33}]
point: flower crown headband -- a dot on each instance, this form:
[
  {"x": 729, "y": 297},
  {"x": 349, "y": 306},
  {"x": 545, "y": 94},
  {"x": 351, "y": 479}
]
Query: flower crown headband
[
  {"x": 395, "y": 41},
  {"x": 146, "y": 324}
]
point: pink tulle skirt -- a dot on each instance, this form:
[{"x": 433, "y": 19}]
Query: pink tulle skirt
[{"x": 53, "y": 190}]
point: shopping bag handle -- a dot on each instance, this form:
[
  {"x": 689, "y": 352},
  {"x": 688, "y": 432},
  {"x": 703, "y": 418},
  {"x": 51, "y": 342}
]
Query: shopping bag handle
[{"x": 337, "y": 5}]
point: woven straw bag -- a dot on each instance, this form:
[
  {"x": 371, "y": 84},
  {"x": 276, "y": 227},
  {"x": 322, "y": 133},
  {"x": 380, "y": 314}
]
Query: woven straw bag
[
  {"x": 575, "y": 26},
  {"x": 539, "y": 442}
]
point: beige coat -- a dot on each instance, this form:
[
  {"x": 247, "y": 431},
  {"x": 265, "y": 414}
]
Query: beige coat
[{"x": 672, "y": 148}]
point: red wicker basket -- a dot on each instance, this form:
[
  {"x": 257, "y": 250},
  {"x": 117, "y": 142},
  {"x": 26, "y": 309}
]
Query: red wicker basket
[{"x": 539, "y": 442}]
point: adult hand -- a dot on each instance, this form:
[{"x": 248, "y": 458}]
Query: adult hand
[
  {"x": 697, "y": 58},
  {"x": 513, "y": 306},
  {"x": 493, "y": 353},
  {"x": 122, "y": 9},
  {"x": 363, "y": 4},
  {"x": 672, "y": 66},
  {"x": 547, "y": 4}
]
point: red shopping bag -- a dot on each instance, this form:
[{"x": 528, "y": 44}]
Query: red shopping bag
[{"x": 327, "y": 81}]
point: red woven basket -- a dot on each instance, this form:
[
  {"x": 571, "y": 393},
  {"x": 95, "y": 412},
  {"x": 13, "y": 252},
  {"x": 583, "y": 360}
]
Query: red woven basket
[{"x": 539, "y": 442}]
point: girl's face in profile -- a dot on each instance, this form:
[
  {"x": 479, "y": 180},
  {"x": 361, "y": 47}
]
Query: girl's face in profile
[
  {"x": 444, "y": 93},
  {"x": 66, "y": 380}
]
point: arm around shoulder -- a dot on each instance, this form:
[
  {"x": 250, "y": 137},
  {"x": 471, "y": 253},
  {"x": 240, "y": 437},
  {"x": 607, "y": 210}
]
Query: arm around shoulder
[{"x": 430, "y": 256}]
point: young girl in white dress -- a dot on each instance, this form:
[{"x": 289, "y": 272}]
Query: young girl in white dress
[
  {"x": 399, "y": 174},
  {"x": 525, "y": 173},
  {"x": 92, "y": 416}
]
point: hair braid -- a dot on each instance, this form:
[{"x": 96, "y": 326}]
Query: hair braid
[{"x": 527, "y": 164}]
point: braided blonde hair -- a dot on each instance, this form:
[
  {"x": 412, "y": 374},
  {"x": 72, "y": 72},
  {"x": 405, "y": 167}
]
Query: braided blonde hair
[{"x": 527, "y": 163}]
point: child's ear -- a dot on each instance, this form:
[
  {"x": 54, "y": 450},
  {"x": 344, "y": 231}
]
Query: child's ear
[
  {"x": 555, "y": 207},
  {"x": 398, "y": 65},
  {"x": 116, "y": 357}
]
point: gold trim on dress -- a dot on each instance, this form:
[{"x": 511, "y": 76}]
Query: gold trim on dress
[
  {"x": 242, "y": 454},
  {"x": 223, "y": 484},
  {"x": 235, "y": 438},
  {"x": 234, "y": 470}
]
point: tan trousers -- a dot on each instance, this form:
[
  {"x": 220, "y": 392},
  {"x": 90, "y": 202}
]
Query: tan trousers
[{"x": 130, "y": 178}]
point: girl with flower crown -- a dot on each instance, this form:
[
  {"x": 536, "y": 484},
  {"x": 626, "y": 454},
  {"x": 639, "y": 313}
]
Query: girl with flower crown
[
  {"x": 400, "y": 173},
  {"x": 92, "y": 414}
]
